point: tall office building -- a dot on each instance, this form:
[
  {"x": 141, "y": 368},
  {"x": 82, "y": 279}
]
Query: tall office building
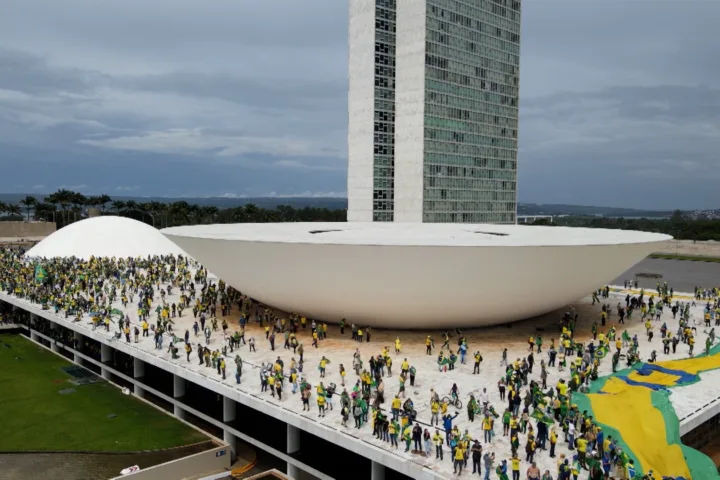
[{"x": 433, "y": 110}]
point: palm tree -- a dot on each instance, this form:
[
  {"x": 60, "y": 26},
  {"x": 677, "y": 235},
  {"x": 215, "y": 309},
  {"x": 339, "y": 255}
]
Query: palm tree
[
  {"x": 286, "y": 213},
  {"x": 252, "y": 213},
  {"x": 3, "y": 208},
  {"x": 103, "y": 200},
  {"x": 28, "y": 202},
  {"x": 78, "y": 202},
  {"x": 159, "y": 209},
  {"x": 194, "y": 213},
  {"x": 179, "y": 212},
  {"x": 118, "y": 206},
  {"x": 209, "y": 212},
  {"x": 64, "y": 198},
  {"x": 13, "y": 209},
  {"x": 45, "y": 211},
  {"x": 131, "y": 205}
]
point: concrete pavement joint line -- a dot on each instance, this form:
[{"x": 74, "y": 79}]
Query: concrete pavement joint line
[{"x": 375, "y": 453}]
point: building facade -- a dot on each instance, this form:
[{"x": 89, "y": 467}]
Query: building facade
[{"x": 433, "y": 110}]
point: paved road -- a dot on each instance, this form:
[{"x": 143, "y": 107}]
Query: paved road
[
  {"x": 682, "y": 275},
  {"x": 84, "y": 467}
]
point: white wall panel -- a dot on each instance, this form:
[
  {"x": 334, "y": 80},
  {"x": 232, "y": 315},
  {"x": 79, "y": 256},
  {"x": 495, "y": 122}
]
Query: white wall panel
[
  {"x": 409, "y": 110},
  {"x": 361, "y": 105}
]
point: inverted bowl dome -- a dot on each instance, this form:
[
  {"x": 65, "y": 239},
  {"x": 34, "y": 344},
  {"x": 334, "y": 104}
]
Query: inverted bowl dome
[{"x": 414, "y": 275}]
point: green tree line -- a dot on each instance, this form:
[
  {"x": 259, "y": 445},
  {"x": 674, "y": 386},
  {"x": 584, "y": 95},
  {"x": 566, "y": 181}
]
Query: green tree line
[
  {"x": 679, "y": 226},
  {"x": 65, "y": 206}
]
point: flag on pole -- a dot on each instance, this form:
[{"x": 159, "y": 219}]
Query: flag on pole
[{"x": 540, "y": 416}]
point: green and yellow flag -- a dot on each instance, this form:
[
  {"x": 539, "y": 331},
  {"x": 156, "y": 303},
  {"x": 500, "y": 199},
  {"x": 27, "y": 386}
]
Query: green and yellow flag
[{"x": 40, "y": 274}]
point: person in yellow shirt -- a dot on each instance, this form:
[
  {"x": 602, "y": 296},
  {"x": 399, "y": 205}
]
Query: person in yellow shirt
[
  {"x": 434, "y": 409},
  {"x": 487, "y": 425},
  {"x": 515, "y": 467},
  {"x": 404, "y": 367},
  {"x": 562, "y": 388},
  {"x": 271, "y": 384},
  {"x": 320, "y": 404},
  {"x": 438, "y": 440},
  {"x": 459, "y": 459},
  {"x": 396, "y": 407},
  {"x": 581, "y": 444},
  {"x": 392, "y": 431}
]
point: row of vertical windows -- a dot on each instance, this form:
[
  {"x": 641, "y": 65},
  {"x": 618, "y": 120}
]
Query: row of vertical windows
[
  {"x": 491, "y": 158},
  {"x": 461, "y": 206},
  {"x": 492, "y": 102},
  {"x": 443, "y": 164},
  {"x": 471, "y": 23},
  {"x": 499, "y": 55},
  {"x": 450, "y": 189},
  {"x": 475, "y": 139},
  {"x": 471, "y": 84},
  {"x": 471, "y": 72},
  {"x": 481, "y": 13},
  {"x": 432, "y": 110},
  {"x": 384, "y": 127},
  {"x": 380, "y": 216},
  {"x": 474, "y": 35},
  {"x": 473, "y": 199},
  {"x": 491, "y": 69},
  {"x": 487, "y": 115},
  {"x": 466, "y": 173},
  {"x": 467, "y": 149},
  {"x": 468, "y": 217},
  {"x": 460, "y": 122}
]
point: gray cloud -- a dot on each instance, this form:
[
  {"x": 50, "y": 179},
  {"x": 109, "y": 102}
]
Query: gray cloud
[
  {"x": 31, "y": 74},
  {"x": 246, "y": 98},
  {"x": 270, "y": 93}
]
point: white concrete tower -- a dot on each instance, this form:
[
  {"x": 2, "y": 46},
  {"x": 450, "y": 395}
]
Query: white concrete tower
[{"x": 433, "y": 110}]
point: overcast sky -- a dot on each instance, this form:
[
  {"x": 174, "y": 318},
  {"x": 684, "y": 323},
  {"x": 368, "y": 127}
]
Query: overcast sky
[{"x": 620, "y": 102}]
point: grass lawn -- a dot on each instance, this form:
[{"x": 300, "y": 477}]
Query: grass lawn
[
  {"x": 36, "y": 417},
  {"x": 690, "y": 258}
]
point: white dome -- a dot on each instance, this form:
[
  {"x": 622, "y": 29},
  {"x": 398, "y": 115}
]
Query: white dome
[{"x": 107, "y": 236}]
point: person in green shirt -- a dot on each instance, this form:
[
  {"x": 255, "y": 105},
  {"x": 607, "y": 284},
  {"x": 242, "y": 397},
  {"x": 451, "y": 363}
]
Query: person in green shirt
[{"x": 506, "y": 422}]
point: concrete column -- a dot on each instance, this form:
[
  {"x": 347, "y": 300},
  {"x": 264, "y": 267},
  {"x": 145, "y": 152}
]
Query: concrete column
[
  {"x": 105, "y": 353},
  {"x": 80, "y": 347},
  {"x": 139, "y": 372},
  {"x": 105, "y": 357},
  {"x": 378, "y": 471},
  {"x": 293, "y": 472},
  {"x": 293, "y": 445},
  {"x": 53, "y": 343},
  {"x": 293, "y": 439},
  {"x": 231, "y": 440},
  {"x": 178, "y": 391},
  {"x": 229, "y": 411}
]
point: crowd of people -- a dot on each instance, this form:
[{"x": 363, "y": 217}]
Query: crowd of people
[{"x": 534, "y": 416}]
